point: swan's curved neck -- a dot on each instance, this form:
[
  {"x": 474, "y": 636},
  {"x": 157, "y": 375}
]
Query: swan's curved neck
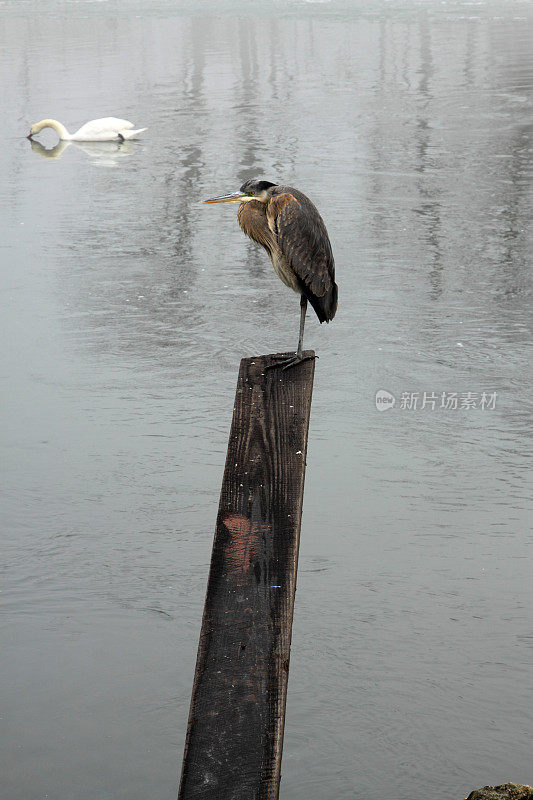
[{"x": 52, "y": 123}]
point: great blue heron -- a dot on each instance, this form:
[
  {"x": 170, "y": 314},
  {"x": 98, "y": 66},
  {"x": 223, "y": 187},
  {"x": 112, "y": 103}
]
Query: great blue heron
[{"x": 286, "y": 223}]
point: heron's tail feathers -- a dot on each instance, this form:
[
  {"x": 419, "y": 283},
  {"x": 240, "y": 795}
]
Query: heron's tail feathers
[{"x": 325, "y": 306}]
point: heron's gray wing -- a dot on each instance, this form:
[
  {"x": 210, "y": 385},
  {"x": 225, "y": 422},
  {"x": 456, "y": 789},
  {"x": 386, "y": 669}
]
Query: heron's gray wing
[{"x": 303, "y": 240}]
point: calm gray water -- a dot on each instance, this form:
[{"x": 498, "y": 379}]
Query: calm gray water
[{"x": 126, "y": 308}]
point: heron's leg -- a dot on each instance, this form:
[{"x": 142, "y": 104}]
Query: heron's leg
[
  {"x": 303, "y": 309},
  {"x": 298, "y": 357}
]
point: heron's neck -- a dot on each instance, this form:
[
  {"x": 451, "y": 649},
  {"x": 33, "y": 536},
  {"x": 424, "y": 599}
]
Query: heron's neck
[{"x": 52, "y": 123}]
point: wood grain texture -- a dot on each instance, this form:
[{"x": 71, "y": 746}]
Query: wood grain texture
[{"x": 235, "y": 732}]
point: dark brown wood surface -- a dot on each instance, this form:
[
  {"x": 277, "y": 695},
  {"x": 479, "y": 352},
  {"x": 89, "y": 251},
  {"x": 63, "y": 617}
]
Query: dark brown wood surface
[{"x": 235, "y": 731}]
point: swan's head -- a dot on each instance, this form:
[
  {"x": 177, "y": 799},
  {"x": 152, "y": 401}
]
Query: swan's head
[
  {"x": 44, "y": 123},
  {"x": 35, "y": 128}
]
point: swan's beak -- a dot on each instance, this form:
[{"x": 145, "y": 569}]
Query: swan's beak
[
  {"x": 30, "y": 134},
  {"x": 234, "y": 197}
]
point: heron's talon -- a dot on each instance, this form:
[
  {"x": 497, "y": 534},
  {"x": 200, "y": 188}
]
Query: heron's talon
[
  {"x": 280, "y": 357},
  {"x": 293, "y": 362},
  {"x": 287, "y": 363}
]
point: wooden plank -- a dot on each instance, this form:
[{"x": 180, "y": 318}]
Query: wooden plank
[{"x": 235, "y": 732}]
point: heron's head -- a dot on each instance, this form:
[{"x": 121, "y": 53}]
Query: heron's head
[{"x": 253, "y": 189}]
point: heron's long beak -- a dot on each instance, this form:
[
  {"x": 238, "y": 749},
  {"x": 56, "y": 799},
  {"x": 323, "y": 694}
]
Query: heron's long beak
[{"x": 234, "y": 197}]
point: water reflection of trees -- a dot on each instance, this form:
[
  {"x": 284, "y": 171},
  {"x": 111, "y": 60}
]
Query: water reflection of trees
[{"x": 440, "y": 153}]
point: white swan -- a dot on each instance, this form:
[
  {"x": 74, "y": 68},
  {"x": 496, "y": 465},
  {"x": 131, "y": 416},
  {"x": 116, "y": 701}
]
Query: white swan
[{"x": 108, "y": 129}]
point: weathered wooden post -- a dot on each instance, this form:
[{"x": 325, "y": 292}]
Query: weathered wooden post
[{"x": 235, "y": 731}]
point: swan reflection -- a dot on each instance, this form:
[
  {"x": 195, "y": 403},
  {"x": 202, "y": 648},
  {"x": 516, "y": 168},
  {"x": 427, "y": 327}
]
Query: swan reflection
[{"x": 103, "y": 154}]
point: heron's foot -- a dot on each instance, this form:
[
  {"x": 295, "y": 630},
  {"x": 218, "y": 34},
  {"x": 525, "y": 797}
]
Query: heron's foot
[{"x": 285, "y": 362}]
